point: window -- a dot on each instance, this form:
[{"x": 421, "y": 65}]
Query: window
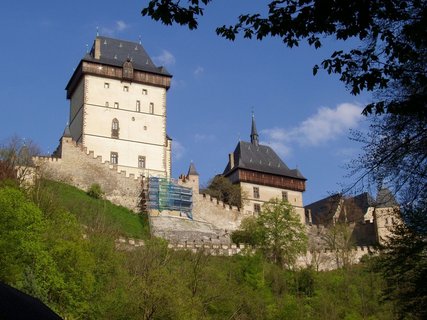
[
  {"x": 285, "y": 195},
  {"x": 138, "y": 106},
  {"x": 256, "y": 192},
  {"x": 141, "y": 162},
  {"x": 106, "y": 85},
  {"x": 115, "y": 128},
  {"x": 114, "y": 158},
  {"x": 144, "y": 92},
  {"x": 126, "y": 89},
  {"x": 116, "y": 105},
  {"x": 257, "y": 208},
  {"x": 107, "y": 104},
  {"x": 151, "y": 110}
]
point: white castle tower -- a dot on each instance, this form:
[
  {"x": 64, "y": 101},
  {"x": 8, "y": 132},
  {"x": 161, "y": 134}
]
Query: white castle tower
[{"x": 118, "y": 107}]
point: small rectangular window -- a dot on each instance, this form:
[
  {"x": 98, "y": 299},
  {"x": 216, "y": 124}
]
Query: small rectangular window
[
  {"x": 116, "y": 105},
  {"x": 114, "y": 158},
  {"x": 151, "y": 110},
  {"x": 256, "y": 192},
  {"x": 141, "y": 162},
  {"x": 144, "y": 92},
  {"x": 138, "y": 106},
  {"x": 284, "y": 195},
  {"x": 126, "y": 89},
  {"x": 106, "y": 85},
  {"x": 257, "y": 208}
]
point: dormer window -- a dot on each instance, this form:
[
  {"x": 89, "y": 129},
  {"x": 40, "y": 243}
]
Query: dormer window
[{"x": 128, "y": 70}]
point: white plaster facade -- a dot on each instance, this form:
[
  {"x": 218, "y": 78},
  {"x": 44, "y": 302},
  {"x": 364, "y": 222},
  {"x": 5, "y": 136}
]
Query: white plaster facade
[
  {"x": 267, "y": 193},
  {"x": 122, "y": 121}
]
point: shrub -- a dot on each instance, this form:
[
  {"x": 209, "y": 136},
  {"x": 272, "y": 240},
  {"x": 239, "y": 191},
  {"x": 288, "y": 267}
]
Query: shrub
[{"x": 95, "y": 191}]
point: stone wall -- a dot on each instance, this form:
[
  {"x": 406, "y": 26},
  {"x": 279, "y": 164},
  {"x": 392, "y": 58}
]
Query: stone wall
[
  {"x": 322, "y": 260},
  {"x": 78, "y": 167}
]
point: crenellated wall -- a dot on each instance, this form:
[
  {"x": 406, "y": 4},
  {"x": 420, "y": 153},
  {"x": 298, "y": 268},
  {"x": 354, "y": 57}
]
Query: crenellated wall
[
  {"x": 78, "y": 167},
  {"x": 321, "y": 260}
]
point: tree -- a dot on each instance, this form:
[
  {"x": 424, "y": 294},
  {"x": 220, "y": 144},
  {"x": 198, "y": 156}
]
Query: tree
[
  {"x": 403, "y": 263},
  {"x": 222, "y": 189},
  {"x": 277, "y": 232},
  {"x": 16, "y": 158},
  {"x": 393, "y": 33}
]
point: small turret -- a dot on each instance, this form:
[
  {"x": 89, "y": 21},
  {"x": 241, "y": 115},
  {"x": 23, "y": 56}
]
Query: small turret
[{"x": 254, "y": 132}]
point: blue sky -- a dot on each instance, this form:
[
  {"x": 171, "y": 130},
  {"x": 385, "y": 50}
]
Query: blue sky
[{"x": 216, "y": 85}]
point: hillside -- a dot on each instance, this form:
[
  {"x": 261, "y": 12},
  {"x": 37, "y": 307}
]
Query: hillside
[{"x": 91, "y": 211}]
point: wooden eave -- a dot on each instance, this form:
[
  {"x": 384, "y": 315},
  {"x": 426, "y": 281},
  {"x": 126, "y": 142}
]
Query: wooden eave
[{"x": 114, "y": 72}]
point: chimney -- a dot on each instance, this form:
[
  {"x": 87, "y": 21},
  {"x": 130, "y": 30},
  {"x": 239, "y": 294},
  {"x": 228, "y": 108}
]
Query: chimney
[
  {"x": 231, "y": 159},
  {"x": 97, "y": 53}
]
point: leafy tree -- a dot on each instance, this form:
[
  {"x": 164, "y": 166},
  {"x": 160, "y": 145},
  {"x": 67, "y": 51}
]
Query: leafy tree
[
  {"x": 277, "y": 232},
  {"x": 222, "y": 189},
  {"x": 16, "y": 158},
  {"x": 393, "y": 33},
  {"x": 338, "y": 238},
  {"x": 403, "y": 263}
]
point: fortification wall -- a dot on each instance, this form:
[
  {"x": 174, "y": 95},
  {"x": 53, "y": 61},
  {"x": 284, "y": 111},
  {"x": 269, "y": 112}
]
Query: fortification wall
[
  {"x": 320, "y": 260},
  {"x": 80, "y": 168},
  {"x": 219, "y": 214}
]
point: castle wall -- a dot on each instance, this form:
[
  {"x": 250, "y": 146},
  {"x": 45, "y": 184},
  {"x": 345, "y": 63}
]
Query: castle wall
[
  {"x": 266, "y": 193},
  {"x": 81, "y": 169},
  {"x": 322, "y": 260}
]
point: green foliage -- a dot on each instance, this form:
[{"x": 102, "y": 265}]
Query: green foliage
[
  {"x": 95, "y": 191},
  {"x": 222, "y": 189},
  {"x": 78, "y": 272},
  {"x": 277, "y": 232},
  {"x": 403, "y": 261},
  {"x": 393, "y": 33},
  {"x": 96, "y": 213}
]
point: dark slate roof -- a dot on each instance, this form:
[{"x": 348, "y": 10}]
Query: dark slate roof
[
  {"x": 67, "y": 132},
  {"x": 260, "y": 158},
  {"x": 323, "y": 211},
  {"x": 385, "y": 199},
  {"x": 364, "y": 201},
  {"x": 115, "y": 52},
  {"x": 192, "y": 170}
]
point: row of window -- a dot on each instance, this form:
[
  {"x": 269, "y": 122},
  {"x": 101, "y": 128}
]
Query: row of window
[
  {"x": 114, "y": 159},
  {"x": 137, "y": 108},
  {"x": 115, "y": 128},
  {"x": 126, "y": 88},
  {"x": 257, "y": 196}
]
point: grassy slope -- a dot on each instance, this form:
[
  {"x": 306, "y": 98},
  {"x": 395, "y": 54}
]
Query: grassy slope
[{"x": 100, "y": 213}]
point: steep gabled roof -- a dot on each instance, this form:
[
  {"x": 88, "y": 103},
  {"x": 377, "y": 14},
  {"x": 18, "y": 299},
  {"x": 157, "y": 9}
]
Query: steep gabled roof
[
  {"x": 260, "y": 158},
  {"x": 385, "y": 199},
  {"x": 115, "y": 52}
]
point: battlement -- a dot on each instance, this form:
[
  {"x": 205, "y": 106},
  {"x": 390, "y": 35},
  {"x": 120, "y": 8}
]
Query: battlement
[
  {"x": 80, "y": 167},
  {"x": 220, "y": 203},
  {"x": 324, "y": 259}
]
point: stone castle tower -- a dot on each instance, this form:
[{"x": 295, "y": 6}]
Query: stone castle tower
[{"x": 118, "y": 107}]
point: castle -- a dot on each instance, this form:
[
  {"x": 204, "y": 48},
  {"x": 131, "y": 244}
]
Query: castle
[{"x": 117, "y": 137}]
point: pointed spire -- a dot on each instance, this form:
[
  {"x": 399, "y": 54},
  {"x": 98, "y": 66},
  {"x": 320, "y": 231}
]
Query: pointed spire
[
  {"x": 67, "y": 132},
  {"x": 192, "y": 170},
  {"x": 254, "y": 132}
]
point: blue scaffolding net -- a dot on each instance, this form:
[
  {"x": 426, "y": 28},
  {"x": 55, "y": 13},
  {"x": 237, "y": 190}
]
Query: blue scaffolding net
[{"x": 164, "y": 194}]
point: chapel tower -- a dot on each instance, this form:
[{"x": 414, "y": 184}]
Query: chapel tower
[
  {"x": 262, "y": 176},
  {"x": 118, "y": 107}
]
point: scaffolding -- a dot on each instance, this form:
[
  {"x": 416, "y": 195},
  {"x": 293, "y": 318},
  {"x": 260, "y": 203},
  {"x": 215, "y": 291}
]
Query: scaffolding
[{"x": 164, "y": 194}]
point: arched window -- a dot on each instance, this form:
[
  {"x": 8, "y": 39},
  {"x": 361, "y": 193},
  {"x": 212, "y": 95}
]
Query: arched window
[{"x": 115, "y": 128}]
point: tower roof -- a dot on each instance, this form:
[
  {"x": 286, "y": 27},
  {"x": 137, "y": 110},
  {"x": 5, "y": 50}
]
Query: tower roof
[
  {"x": 116, "y": 52},
  {"x": 192, "y": 170},
  {"x": 67, "y": 132},
  {"x": 385, "y": 199},
  {"x": 254, "y": 132},
  {"x": 260, "y": 158}
]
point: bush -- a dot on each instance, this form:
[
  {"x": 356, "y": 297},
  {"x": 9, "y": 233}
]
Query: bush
[{"x": 95, "y": 191}]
